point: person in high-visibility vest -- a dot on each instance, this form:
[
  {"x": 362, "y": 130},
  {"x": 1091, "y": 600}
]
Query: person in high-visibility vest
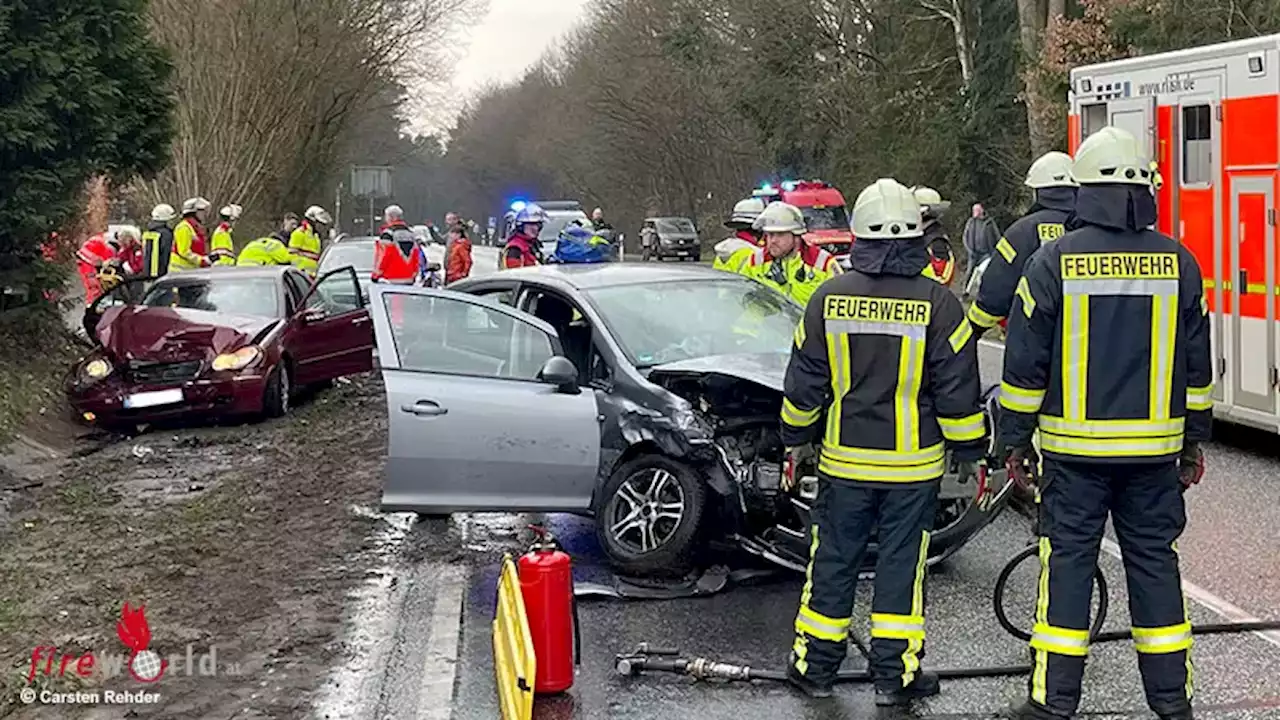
[
  {"x": 189, "y": 237},
  {"x": 265, "y": 251},
  {"x": 304, "y": 242},
  {"x": 224, "y": 247},
  {"x": 157, "y": 241}
]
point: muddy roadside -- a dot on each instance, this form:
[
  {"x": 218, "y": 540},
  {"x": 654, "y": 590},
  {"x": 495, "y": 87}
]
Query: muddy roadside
[{"x": 241, "y": 542}]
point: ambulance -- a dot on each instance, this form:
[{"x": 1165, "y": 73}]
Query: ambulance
[
  {"x": 824, "y": 213},
  {"x": 1209, "y": 117}
]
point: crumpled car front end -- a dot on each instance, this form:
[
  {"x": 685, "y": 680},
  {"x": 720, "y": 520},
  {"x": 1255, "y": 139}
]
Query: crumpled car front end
[{"x": 160, "y": 363}]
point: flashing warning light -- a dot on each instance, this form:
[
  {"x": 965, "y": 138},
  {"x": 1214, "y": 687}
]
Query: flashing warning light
[
  {"x": 519, "y": 205},
  {"x": 766, "y": 187},
  {"x": 789, "y": 185}
]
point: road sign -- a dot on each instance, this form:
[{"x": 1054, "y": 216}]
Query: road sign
[{"x": 370, "y": 182}]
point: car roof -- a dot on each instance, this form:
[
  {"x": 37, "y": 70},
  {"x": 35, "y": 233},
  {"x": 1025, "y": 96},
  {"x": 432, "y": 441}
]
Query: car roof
[
  {"x": 589, "y": 276},
  {"x": 668, "y": 217},
  {"x": 236, "y": 271}
]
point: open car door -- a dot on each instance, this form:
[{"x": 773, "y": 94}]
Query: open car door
[
  {"x": 333, "y": 336},
  {"x": 484, "y": 411}
]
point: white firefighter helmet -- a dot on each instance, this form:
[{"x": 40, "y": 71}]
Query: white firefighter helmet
[
  {"x": 745, "y": 213},
  {"x": 231, "y": 212},
  {"x": 1052, "y": 169},
  {"x": 317, "y": 214},
  {"x": 163, "y": 212},
  {"x": 531, "y": 213},
  {"x": 886, "y": 210},
  {"x": 930, "y": 201},
  {"x": 1111, "y": 155},
  {"x": 780, "y": 217},
  {"x": 195, "y": 204}
]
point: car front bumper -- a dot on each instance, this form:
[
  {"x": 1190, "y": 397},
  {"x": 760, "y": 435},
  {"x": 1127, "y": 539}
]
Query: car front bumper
[{"x": 224, "y": 395}]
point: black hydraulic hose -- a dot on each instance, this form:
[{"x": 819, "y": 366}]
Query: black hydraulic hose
[{"x": 1096, "y": 635}]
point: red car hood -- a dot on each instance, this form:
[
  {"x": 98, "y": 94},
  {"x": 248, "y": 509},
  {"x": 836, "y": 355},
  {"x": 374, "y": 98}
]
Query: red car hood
[{"x": 159, "y": 334}]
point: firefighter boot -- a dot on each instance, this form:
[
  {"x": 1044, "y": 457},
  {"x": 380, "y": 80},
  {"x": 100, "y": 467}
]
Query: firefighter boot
[
  {"x": 925, "y": 684},
  {"x": 1030, "y": 710},
  {"x": 1179, "y": 715},
  {"x": 814, "y": 689}
]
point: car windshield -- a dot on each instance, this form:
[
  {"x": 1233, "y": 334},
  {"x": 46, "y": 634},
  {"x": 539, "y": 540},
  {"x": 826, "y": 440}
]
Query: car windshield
[
  {"x": 358, "y": 256},
  {"x": 664, "y": 322},
  {"x": 558, "y": 222},
  {"x": 829, "y": 218},
  {"x": 231, "y": 296},
  {"x": 675, "y": 226}
]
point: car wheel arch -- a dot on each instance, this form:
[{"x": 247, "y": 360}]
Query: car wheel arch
[{"x": 707, "y": 469}]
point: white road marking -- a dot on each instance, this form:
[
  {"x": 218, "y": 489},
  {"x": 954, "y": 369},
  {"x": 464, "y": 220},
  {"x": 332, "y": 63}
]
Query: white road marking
[
  {"x": 1218, "y": 605},
  {"x": 435, "y": 701}
]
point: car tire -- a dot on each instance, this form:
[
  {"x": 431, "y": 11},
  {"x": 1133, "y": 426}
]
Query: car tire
[
  {"x": 661, "y": 483},
  {"x": 277, "y": 396}
]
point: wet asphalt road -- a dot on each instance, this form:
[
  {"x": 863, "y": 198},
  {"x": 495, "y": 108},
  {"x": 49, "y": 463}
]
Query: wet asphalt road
[{"x": 1228, "y": 558}]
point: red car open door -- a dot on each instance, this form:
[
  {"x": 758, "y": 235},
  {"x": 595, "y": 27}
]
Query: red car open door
[{"x": 333, "y": 333}]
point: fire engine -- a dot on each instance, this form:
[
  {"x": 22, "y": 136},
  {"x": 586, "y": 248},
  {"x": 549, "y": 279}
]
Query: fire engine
[
  {"x": 1209, "y": 115},
  {"x": 824, "y": 213}
]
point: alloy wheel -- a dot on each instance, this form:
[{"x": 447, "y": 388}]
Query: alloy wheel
[{"x": 646, "y": 510}]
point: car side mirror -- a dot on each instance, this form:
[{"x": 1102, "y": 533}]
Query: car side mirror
[{"x": 561, "y": 372}]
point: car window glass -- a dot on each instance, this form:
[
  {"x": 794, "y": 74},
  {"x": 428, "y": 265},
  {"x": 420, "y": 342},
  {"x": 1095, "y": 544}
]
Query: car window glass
[
  {"x": 336, "y": 294},
  {"x": 358, "y": 255},
  {"x": 506, "y": 296},
  {"x": 434, "y": 334},
  {"x": 297, "y": 288},
  {"x": 231, "y": 296}
]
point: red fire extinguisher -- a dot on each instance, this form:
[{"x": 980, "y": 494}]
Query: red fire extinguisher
[{"x": 546, "y": 583}]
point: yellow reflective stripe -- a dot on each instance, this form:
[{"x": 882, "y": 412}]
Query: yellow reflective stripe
[
  {"x": 1040, "y": 666},
  {"x": 800, "y": 648},
  {"x": 1204, "y": 305},
  {"x": 907, "y": 398},
  {"x": 887, "y": 458},
  {"x": 838, "y": 357},
  {"x": 795, "y": 417},
  {"x": 1075, "y": 355},
  {"x": 963, "y": 429},
  {"x": 1163, "y": 640},
  {"x": 1024, "y": 292},
  {"x": 1111, "y": 447},
  {"x": 1112, "y": 428},
  {"x": 961, "y": 336},
  {"x": 799, "y": 336},
  {"x": 881, "y": 473},
  {"x": 1060, "y": 641},
  {"x": 982, "y": 318},
  {"x": 1164, "y": 327},
  {"x": 1006, "y": 250},
  {"x": 897, "y": 627},
  {"x": 1200, "y": 398},
  {"x": 1019, "y": 399},
  {"x": 820, "y": 626}
]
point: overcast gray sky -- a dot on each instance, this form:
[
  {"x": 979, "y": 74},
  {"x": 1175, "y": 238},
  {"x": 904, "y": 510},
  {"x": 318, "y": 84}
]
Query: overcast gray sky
[{"x": 508, "y": 40}]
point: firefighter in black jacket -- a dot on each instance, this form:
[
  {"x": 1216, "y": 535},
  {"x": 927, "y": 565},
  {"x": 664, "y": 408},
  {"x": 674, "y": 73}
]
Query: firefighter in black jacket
[
  {"x": 157, "y": 241},
  {"x": 1055, "y": 198},
  {"x": 888, "y": 355},
  {"x": 1108, "y": 355}
]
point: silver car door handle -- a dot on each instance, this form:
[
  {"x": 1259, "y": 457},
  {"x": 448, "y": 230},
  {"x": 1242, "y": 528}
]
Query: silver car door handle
[
  {"x": 424, "y": 408},
  {"x": 360, "y": 320}
]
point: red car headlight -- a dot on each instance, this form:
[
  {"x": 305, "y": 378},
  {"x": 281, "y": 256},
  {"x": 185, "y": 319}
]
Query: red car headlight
[{"x": 238, "y": 360}]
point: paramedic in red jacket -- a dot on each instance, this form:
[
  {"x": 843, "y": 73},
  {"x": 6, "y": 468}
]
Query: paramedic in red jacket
[
  {"x": 395, "y": 259},
  {"x": 92, "y": 255},
  {"x": 521, "y": 249},
  {"x": 458, "y": 263}
]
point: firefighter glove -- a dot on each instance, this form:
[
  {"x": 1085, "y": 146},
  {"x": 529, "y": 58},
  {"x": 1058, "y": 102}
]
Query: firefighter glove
[
  {"x": 798, "y": 459},
  {"x": 1191, "y": 465},
  {"x": 1024, "y": 467}
]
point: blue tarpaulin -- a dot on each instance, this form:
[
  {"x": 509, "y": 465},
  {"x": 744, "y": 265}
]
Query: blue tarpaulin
[{"x": 581, "y": 245}]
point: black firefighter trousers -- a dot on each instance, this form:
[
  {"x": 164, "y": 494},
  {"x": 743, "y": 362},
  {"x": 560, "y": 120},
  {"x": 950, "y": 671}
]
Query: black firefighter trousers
[
  {"x": 1146, "y": 506},
  {"x": 845, "y": 514}
]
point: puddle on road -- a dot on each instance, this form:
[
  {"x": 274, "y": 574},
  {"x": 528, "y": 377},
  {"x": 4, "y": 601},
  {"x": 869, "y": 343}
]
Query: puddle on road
[{"x": 369, "y": 622}]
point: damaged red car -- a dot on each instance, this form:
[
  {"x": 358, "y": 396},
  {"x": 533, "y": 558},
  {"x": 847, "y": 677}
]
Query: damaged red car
[{"x": 218, "y": 343}]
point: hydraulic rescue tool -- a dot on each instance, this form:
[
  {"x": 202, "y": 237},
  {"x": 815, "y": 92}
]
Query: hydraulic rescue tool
[{"x": 647, "y": 658}]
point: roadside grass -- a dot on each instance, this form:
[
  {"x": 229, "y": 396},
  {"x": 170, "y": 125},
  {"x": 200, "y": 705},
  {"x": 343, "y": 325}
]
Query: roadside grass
[{"x": 35, "y": 352}]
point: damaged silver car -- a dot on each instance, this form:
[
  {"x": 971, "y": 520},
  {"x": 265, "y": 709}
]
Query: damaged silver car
[{"x": 645, "y": 397}]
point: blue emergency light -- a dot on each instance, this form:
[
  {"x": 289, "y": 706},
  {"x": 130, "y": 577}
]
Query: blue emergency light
[
  {"x": 519, "y": 205},
  {"x": 789, "y": 185},
  {"x": 766, "y": 187}
]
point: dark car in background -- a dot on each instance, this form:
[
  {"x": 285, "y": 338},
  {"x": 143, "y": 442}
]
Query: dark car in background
[
  {"x": 671, "y": 237},
  {"x": 220, "y": 342}
]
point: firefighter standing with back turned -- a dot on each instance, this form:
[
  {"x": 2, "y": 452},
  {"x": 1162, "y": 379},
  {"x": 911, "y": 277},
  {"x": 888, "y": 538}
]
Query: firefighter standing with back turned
[
  {"x": 1055, "y": 199},
  {"x": 1108, "y": 355},
  {"x": 890, "y": 357}
]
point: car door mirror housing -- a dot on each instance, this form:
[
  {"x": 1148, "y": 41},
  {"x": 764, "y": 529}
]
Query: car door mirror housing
[{"x": 560, "y": 371}]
